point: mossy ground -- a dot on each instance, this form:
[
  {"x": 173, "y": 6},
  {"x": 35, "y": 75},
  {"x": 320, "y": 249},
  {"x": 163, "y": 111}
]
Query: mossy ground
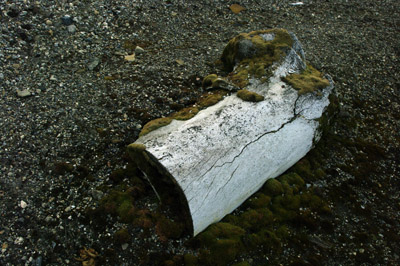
[
  {"x": 308, "y": 80},
  {"x": 263, "y": 223}
]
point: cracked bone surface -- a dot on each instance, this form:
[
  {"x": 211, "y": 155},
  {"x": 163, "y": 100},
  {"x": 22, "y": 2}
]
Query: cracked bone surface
[{"x": 226, "y": 152}]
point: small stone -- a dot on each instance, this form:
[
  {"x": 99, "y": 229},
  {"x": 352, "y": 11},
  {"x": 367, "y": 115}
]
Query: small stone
[
  {"x": 1, "y": 76},
  {"x": 235, "y": 8},
  {"x": 23, "y": 93},
  {"x": 71, "y": 28},
  {"x": 53, "y": 78},
  {"x": 23, "y": 204},
  {"x": 48, "y": 22},
  {"x": 174, "y": 14},
  {"x": 139, "y": 50},
  {"x": 297, "y": 4},
  {"x": 180, "y": 62},
  {"x": 4, "y": 247},
  {"x": 48, "y": 219},
  {"x": 67, "y": 20},
  {"x": 19, "y": 241},
  {"x": 94, "y": 64},
  {"x": 68, "y": 209},
  {"x": 124, "y": 246},
  {"x": 130, "y": 58}
]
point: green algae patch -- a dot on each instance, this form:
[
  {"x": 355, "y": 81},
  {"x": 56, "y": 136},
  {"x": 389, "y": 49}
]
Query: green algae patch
[
  {"x": 155, "y": 124},
  {"x": 186, "y": 113},
  {"x": 254, "y": 53},
  {"x": 249, "y": 96},
  {"x": 308, "y": 80}
]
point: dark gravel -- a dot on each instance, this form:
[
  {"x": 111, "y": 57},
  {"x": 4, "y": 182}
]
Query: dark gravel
[{"x": 71, "y": 102}]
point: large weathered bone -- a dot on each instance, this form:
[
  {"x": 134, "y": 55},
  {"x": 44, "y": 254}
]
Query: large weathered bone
[{"x": 226, "y": 152}]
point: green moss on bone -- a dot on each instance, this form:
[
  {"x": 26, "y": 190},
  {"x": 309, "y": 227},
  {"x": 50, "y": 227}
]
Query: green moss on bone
[
  {"x": 249, "y": 96},
  {"x": 308, "y": 80},
  {"x": 208, "y": 80},
  {"x": 258, "y": 56},
  {"x": 155, "y": 124},
  {"x": 210, "y": 99},
  {"x": 186, "y": 113}
]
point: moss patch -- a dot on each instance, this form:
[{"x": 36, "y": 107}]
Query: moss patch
[
  {"x": 154, "y": 124},
  {"x": 208, "y": 80},
  {"x": 307, "y": 81},
  {"x": 186, "y": 113},
  {"x": 254, "y": 53},
  {"x": 249, "y": 96},
  {"x": 122, "y": 236}
]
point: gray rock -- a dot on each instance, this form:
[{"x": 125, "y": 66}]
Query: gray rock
[{"x": 95, "y": 62}]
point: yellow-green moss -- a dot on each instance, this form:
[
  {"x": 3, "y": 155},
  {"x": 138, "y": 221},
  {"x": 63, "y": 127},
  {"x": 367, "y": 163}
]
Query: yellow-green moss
[
  {"x": 210, "y": 99},
  {"x": 249, "y": 96},
  {"x": 208, "y": 80},
  {"x": 261, "y": 54},
  {"x": 186, "y": 113},
  {"x": 154, "y": 124},
  {"x": 308, "y": 80}
]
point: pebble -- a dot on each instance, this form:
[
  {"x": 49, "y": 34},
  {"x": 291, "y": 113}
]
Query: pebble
[
  {"x": 23, "y": 204},
  {"x": 71, "y": 28},
  {"x": 19, "y": 241},
  {"x": 94, "y": 64},
  {"x": 48, "y": 22},
  {"x": 1, "y": 76},
  {"x": 48, "y": 219},
  {"x": 23, "y": 93},
  {"x": 130, "y": 57},
  {"x": 179, "y": 61},
  {"x": 124, "y": 246},
  {"x": 139, "y": 50},
  {"x": 67, "y": 20}
]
